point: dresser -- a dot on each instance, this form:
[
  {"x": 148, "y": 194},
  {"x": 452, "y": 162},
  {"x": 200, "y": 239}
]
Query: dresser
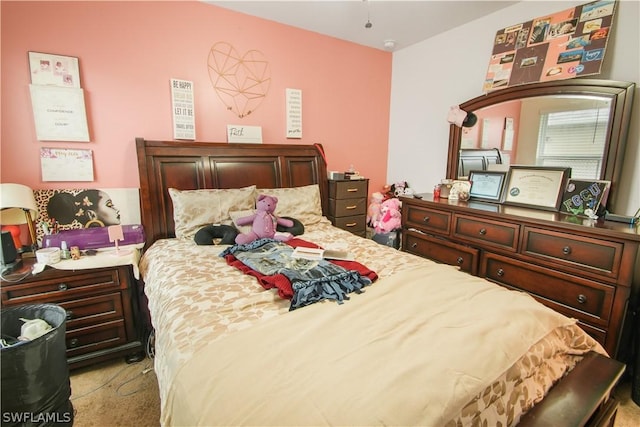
[
  {"x": 348, "y": 205},
  {"x": 101, "y": 303},
  {"x": 584, "y": 269}
]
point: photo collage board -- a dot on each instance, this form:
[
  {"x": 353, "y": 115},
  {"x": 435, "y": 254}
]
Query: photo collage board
[{"x": 558, "y": 46}]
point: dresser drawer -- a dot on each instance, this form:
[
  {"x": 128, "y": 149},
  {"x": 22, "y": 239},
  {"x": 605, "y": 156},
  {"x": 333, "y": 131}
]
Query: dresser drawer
[
  {"x": 96, "y": 337},
  {"x": 442, "y": 251},
  {"x": 57, "y": 289},
  {"x": 348, "y": 189},
  {"x": 347, "y": 207},
  {"x": 494, "y": 233},
  {"x": 87, "y": 311},
  {"x": 355, "y": 224},
  {"x": 599, "y": 257},
  {"x": 576, "y": 297},
  {"x": 427, "y": 219}
]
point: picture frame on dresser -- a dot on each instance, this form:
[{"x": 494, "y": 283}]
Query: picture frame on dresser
[
  {"x": 584, "y": 197},
  {"x": 539, "y": 187},
  {"x": 487, "y": 185}
]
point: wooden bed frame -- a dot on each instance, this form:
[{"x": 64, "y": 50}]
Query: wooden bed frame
[{"x": 582, "y": 398}]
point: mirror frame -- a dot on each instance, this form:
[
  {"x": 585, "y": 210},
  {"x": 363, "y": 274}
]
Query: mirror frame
[{"x": 619, "y": 93}]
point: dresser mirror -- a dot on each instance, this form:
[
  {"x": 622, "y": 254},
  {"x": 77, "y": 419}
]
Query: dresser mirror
[{"x": 577, "y": 123}]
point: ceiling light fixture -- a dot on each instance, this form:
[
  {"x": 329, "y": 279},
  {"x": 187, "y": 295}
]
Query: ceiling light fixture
[{"x": 368, "y": 23}]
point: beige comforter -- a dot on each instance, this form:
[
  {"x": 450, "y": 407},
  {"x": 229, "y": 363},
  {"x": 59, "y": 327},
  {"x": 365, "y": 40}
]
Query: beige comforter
[{"x": 425, "y": 345}]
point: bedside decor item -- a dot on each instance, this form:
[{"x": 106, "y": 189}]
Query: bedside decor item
[
  {"x": 18, "y": 206},
  {"x": 487, "y": 185},
  {"x": 536, "y": 186}
]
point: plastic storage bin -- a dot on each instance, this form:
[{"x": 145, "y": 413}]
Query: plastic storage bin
[{"x": 35, "y": 375}]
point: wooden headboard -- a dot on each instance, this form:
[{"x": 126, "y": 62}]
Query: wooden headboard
[{"x": 204, "y": 165}]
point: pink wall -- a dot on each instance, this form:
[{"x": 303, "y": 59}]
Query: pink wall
[{"x": 128, "y": 51}]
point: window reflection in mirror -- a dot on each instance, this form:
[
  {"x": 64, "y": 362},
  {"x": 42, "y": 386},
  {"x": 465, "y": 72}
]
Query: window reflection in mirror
[{"x": 545, "y": 131}]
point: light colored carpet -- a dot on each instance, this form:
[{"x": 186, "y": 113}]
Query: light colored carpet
[
  {"x": 115, "y": 393},
  {"x": 118, "y": 394}
]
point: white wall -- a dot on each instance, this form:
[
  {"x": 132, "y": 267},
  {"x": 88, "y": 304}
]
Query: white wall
[{"x": 449, "y": 69}]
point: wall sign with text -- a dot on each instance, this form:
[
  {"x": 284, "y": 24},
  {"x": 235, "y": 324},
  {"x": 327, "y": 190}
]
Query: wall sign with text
[{"x": 558, "y": 46}]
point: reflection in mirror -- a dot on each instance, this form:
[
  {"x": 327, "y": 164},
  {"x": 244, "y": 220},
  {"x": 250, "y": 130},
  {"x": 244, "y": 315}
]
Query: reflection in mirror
[
  {"x": 576, "y": 123},
  {"x": 567, "y": 131}
]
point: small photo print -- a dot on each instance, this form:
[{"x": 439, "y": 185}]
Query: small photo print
[
  {"x": 562, "y": 28},
  {"x": 593, "y": 55},
  {"x": 554, "y": 71},
  {"x": 597, "y": 9},
  {"x": 506, "y": 59},
  {"x": 572, "y": 56},
  {"x": 500, "y": 38},
  {"x": 578, "y": 42},
  {"x": 591, "y": 26},
  {"x": 528, "y": 62},
  {"x": 599, "y": 34},
  {"x": 539, "y": 32}
]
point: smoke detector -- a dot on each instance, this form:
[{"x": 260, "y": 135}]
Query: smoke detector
[{"x": 389, "y": 44}]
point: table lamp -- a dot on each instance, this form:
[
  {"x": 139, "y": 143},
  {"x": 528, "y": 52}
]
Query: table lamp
[{"x": 18, "y": 206}]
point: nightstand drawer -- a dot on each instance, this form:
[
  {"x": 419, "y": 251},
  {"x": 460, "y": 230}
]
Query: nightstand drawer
[
  {"x": 96, "y": 337},
  {"x": 601, "y": 257},
  {"x": 575, "y": 297},
  {"x": 87, "y": 311},
  {"x": 354, "y": 224},
  {"x": 346, "y": 207},
  {"x": 61, "y": 288},
  {"x": 348, "y": 189},
  {"x": 427, "y": 219},
  {"x": 501, "y": 234}
]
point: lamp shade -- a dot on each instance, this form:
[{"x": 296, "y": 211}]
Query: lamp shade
[{"x": 15, "y": 199}]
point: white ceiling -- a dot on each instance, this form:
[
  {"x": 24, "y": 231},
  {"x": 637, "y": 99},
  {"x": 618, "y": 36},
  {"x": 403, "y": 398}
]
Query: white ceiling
[{"x": 403, "y": 22}]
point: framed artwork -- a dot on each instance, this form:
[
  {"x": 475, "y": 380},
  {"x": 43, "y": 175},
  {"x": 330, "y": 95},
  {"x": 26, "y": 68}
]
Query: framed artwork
[
  {"x": 54, "y": 70},
  {"x": 487, "y": 185},
  {"x": 536, "y": 186},
  {"x": 584, "y": 197}
]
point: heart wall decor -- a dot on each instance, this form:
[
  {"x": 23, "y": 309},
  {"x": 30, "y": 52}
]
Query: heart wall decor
[{"x": 240, "y": 81}]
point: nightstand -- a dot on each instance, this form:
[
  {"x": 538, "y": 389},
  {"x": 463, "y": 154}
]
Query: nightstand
[
  {"x": 103, "y": 318},
  {"x": 348, "y": 205}
]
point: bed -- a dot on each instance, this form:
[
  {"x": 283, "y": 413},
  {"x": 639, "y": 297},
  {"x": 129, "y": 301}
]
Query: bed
[{"x": 420, "y": 344}]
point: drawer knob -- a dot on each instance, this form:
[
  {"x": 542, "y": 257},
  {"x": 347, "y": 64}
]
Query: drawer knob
[
  {"x": 460, "y": 260},
  {"x": 500, "y": 272},
  {"x": 582, "y": 298},
  {"x": 73, "y": 342},
  {"x": 426, "y": 219},
  {"x": 69, "y": 314},
  {"x": 414, "y": 245},
  {"x": 483, "y": 231},
  {"x": 62, "y": 287},
  {"x": 566, "y": 250}
]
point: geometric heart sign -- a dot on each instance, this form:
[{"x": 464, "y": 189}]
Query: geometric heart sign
[{"x": 241, "y": 82}]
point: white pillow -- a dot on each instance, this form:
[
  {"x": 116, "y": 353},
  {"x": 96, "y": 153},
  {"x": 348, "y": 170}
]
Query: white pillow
[
  {"x": 301, "y": 203},
  {"x": 193, "y": 209}
]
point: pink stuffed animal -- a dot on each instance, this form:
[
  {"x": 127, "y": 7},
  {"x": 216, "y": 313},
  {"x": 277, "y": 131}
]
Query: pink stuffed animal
[
  {"x": 390, "y": 218},
  {"x": 264, "y": 222},
  {"x": 373, "y": 211}
]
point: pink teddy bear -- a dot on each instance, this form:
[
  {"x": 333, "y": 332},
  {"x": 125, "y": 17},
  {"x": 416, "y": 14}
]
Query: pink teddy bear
[
  {"x": 264, "y": 222},
  {"x": 390, "y": 216}
]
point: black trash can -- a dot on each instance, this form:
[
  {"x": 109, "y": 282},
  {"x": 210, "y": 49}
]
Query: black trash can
[{"x": 35, "y": 375}]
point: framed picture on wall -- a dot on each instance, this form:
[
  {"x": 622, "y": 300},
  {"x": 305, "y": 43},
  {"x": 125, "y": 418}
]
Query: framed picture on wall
[
  {"x": 54, "y": 70},
  {"x": 487, "y": 185},
  {"x": 536, "y": 186}
]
